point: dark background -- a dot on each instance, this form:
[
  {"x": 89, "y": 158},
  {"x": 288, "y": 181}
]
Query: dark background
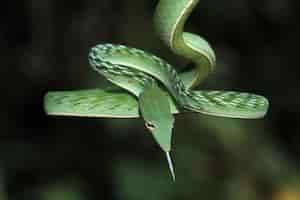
[{"x": 44, "y": 46}]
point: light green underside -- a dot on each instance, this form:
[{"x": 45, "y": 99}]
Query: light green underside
[{"x": 116, "y": 103}]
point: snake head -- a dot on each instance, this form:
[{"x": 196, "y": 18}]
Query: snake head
[
  {"x": 161, "y": 131},
  {"x": 155, "y": 109}
]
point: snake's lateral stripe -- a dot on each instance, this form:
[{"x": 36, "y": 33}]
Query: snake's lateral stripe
[
  {"x": 108, "y": 59},
  {"x": 139, "y": 69}
]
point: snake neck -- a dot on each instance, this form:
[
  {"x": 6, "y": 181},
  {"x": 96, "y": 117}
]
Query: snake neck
[{"x": 169, "y": 20}]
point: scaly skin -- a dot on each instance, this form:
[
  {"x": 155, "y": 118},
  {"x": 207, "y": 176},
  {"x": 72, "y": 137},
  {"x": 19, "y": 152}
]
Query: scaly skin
[
  {"x": 146, "y": 76},
  {"x": 134, "y": 69},
  {"x": 158, "y": 88}
]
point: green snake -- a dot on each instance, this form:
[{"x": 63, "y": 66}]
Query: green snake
[{"x": 155, "y": 83}]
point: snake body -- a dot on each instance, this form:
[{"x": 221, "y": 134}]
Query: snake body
[
  {"x": 134, "y": 69},
  {"x": 155, "y": 83}
]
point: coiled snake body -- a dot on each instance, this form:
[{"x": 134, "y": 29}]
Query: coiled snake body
[
  {"x": 153, "y": 81},
  {"x": 147, "y": 76}
]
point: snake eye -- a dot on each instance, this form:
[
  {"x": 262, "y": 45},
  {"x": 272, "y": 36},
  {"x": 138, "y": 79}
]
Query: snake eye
[{"x": 149, "y": 126}]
